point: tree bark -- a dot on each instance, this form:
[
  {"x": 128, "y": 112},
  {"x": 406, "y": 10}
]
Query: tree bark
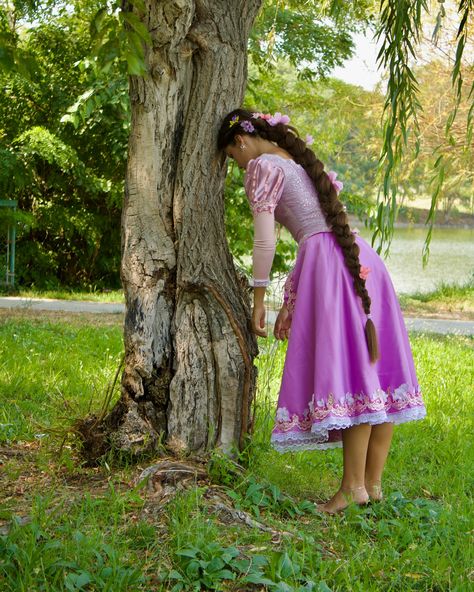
[{"x": 189, "y": 377}]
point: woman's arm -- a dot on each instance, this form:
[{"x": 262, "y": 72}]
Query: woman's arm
[
  {"x": 264, "y": 245},
  {"x": 264, "y": 187}
]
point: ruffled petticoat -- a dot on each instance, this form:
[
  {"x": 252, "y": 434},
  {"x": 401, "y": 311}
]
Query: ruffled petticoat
[{"x": 328, "y": 382}]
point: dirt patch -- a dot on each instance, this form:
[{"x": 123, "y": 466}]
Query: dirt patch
[
  {"x": 27, "y": 469},
  {"x": 53, "y": 316},
  {"x": 438, "y": 312}
]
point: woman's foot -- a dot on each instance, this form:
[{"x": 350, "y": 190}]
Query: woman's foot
[
  {"x": 375, "y": 491},
  {"x": 343, "y": 498}
]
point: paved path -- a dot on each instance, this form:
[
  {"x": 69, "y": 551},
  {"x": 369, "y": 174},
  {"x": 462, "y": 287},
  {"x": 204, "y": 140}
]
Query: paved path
[{"x": 443, "y": 326}]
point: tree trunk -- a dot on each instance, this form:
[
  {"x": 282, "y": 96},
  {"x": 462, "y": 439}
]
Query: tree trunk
[{"x": 189, "y": 377}]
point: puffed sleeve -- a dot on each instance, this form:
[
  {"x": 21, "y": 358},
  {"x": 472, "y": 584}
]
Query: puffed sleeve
[{"x": 264, "y": 186}]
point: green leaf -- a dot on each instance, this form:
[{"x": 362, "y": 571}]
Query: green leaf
[
  {"x": 131, "y": 19},
  {"x": 107, "y": 572},
  {"x": 98, "y": 20},
  {"x": 242, "y": 565},
  {"x": 193, "y": 567},
  {"x": 457, "y": 60},
  {"x": 139, "y": 5},
  {"x": 83, "y": 578},
  {"x": 283, "y": 587},
  {"x": 224, "y": 574},
  {"x": 285, "y": 566},
  {"x": 190, "y": 552},
  {"x": 175, "y": 575},
  {"x": 136, "y": 64},
  {"x": 215, "y": 564},
  {"x": 258, "y": 579},
  {"x": 229, "y": 553}
]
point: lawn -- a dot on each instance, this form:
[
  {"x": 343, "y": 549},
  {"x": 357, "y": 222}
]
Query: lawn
[{"x": 68, "y": 527}]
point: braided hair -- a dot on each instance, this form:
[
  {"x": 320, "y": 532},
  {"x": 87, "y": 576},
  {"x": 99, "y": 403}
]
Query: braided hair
[{"x": 287, "y": 138}]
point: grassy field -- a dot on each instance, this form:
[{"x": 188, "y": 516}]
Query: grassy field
[
  {"x": 65, "y": 294},
  {"x": 67, "y": 527}
]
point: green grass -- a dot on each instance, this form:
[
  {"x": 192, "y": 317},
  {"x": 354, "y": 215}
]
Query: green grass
[
  {"x": 67, "y": 294},
  {"x": 93, "y": 529},
  {"x": 50, "y": 371},
  {"x": 76, "y": 544},
  {"x": 446, "y": 292}
]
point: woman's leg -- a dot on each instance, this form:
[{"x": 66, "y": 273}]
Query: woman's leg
[
  {"x": 377, "y": 452},
  {"x": 355, "y": 442}
]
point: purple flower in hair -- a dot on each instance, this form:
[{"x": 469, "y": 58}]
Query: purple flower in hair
[
  {"x": 279, "y": 118},
  {"x": 309, "y": 139},
  {"x": 336, "y": 184},
  {"x": 234, "y": 120},
  {"x": 247, "y": 126}
]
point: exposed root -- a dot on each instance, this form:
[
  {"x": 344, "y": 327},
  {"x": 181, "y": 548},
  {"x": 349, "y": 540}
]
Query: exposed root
[
  {"x": 168, "y": 477},
  {"x": 229, "y": 515}
]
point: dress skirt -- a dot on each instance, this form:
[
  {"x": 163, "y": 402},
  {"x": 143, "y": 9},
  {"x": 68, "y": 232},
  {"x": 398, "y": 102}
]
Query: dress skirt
[{"x": 328, "y": 382}]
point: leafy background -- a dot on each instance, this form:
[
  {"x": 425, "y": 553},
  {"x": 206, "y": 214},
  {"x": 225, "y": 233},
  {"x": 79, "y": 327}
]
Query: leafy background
[{"x": 65, "y": 117}]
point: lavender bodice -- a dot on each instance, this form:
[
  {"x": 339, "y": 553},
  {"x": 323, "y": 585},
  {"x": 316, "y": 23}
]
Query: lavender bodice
[
  {"x": 279, "y": 189},
  {"x": 274, "y": 183}
]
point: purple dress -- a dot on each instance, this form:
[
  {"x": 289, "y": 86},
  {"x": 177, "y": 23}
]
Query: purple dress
[{"x": 328, "y": 381}]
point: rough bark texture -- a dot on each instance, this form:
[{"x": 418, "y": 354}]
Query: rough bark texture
[{"x": 189, "y": 377}]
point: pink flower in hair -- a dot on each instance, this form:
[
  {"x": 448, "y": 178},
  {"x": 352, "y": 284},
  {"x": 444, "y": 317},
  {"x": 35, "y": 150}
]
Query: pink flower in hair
[
  {"x": 279, "y": 118},
  {"x": 364, "y": 272},
  {"x": 309, "y": 139},
  {"x": 266, "y": 116},
  {"x": 338, "y": 185}
]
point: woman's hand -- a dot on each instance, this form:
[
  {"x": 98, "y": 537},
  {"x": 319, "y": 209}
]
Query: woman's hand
[
  {"x": 282, "y": 324},
  {"x": 258, "y": 320}
]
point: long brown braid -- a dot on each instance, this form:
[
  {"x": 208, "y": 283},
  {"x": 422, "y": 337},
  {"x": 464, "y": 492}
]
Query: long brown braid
[{"x": 287, "y": 138}]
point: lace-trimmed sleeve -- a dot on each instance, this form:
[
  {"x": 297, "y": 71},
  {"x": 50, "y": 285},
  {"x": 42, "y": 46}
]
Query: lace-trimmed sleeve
[{"x": 264, "y": 185}]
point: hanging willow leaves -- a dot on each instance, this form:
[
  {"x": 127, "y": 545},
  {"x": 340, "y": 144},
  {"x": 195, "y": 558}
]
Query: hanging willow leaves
[{"x": 400, "y": 33}]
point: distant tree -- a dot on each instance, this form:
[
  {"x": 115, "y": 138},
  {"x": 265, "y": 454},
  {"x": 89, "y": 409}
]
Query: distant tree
[
  {"x": 406, "y": 30},
  {"x": 446, "y": 150},
  {"x": 64, "y": 126}
]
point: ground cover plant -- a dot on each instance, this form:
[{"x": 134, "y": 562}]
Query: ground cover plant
[{"x": 64, "y": 526}]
